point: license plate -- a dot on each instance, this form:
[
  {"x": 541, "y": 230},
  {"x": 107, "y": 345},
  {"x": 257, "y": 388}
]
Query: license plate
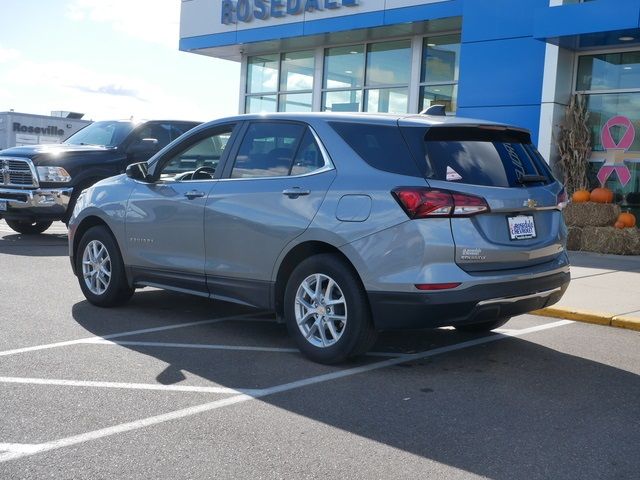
[
  {"x": 521, "y": 227},
  {"x": 3, "y": 206}
]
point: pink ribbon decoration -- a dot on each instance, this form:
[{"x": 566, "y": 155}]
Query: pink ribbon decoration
[{"x": 624, "y": 144}]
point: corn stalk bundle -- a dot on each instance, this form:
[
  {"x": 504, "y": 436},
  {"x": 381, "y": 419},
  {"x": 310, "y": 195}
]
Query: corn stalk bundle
[{"x": 574, "y": 145}]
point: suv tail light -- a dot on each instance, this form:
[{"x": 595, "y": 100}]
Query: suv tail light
[
  {"x": 563, "y": 199},
  {"x": 420, "y": 202}
]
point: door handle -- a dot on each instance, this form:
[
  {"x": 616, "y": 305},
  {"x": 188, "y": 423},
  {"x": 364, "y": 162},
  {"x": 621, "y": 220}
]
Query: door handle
[
  {"x": 295, "y": 192},
  {"x": 194, "y": 194}
]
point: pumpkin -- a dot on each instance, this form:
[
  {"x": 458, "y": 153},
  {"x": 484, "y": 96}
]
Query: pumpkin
[
  {"x": 627, "y": 219},
  {"x": 580, "y": 196},
  {"x": 619, "y": 225},
  {"x": 601, "y": 195}
]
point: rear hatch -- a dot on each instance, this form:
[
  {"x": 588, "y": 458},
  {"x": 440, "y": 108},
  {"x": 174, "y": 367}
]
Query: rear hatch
[{"x": 523, "y": 225}]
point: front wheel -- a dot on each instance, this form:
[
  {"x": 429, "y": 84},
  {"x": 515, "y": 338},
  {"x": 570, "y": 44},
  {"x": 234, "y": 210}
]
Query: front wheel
[
  {"x": 29, "y": 228},
  {"x": 327, "y": 311},
  {"x": 100, "y": 269},
  {"x": 483, "y": 326}
]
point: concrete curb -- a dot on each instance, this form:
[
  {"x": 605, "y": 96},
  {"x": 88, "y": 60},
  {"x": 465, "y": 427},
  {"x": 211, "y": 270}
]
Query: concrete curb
[{"x": 598, "y": 318}]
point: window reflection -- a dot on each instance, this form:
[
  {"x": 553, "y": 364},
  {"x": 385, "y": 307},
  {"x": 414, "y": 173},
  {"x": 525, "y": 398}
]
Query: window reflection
[
  {"x": 388, "y": 100},
  {"x": 389, "y": 63},
  {"x": 344, "y": 67},
  {"x": 261, "y": 103},
  {"x": 262, "y": 73},
  {"x": 297, "y": 71},
  {"x": 609, "y": 71},
  {"x": 342, "y": 101},
  {"x": 440, "y": 59}
]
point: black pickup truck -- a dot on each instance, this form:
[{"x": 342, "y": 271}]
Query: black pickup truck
[{"x": 39, "y": 184}]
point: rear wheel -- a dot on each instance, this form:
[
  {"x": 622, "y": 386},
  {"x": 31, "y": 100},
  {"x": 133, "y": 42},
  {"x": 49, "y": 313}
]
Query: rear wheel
[
  {"x": 326, "y": 310},
  {"x": 100, "y": 269},
  {"x": 29, "y": 228},
  {"x": 483, "y": 326}
]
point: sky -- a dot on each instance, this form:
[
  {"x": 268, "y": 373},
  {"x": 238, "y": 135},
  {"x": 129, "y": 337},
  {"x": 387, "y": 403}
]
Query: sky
[{"x": 109, "y": 59}]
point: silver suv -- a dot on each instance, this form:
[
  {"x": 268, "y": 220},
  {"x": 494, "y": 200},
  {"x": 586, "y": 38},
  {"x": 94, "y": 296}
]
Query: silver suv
[{"x": 343, "y": 224}]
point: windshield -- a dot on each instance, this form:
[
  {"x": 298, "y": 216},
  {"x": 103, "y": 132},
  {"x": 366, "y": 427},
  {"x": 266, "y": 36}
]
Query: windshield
[{"x": 109, "y": 134}]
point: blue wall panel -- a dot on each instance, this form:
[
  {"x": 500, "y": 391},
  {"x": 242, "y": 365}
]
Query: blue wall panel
[
  {"x": 495, "y": 19},
  {"x": 590, "y": 17},
  {"x": 501, "y": 72}
]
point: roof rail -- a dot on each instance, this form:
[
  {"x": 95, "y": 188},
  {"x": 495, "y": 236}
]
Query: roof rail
[{"x": 439, "y": 110}]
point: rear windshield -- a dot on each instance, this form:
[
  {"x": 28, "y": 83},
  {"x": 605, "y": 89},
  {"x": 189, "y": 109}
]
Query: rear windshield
[{"x": 478, "y": 156}]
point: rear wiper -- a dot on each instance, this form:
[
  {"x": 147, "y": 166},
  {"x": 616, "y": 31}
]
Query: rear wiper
[{"x": 522, "y": 179}]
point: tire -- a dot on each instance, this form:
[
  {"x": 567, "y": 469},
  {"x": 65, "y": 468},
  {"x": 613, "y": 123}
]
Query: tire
[
  {"x": 29, "y": 228},
  {"x": 483, "y": 327},
  {"x": 100, "y": 269},
  {"x": 340, "y": 326}
]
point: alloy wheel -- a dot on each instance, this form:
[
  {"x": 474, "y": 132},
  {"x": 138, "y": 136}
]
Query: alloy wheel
[
  {"x": 320, "y": 310},
  {"x": 96, "y": 267}
]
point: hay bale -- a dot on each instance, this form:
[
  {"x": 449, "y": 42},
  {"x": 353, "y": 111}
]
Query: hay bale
[
  {"x": 611, "y": 240},
  {"x": 591, "y": 214},
  {"x": 574, "y": 238}
]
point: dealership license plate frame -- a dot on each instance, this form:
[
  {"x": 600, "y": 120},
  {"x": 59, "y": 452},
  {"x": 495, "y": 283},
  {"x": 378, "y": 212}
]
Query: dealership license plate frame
[{"x": 514, "y": 221}]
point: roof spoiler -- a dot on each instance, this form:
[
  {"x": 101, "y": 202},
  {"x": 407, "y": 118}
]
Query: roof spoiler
[{"x": 437, "y": 110}]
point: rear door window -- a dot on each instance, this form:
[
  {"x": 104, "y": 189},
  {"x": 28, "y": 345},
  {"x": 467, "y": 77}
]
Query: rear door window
[
  {"x": 478, "y": 156},
  {"x": 268, "y": 149},
  {"x": 381, "y": 146}
]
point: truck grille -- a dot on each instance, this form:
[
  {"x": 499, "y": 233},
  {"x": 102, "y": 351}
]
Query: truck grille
[{"x": 16, "y": 173}]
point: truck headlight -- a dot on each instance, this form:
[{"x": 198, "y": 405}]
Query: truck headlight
[{"x": 53, "y": 174}]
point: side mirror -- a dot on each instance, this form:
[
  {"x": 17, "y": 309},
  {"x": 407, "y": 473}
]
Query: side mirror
[
  {"x": 146, "y": 145},
  {"x": 138, "y": 171}
]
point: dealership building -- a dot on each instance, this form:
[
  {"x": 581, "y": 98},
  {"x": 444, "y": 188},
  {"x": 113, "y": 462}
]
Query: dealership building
[
  {"x": 17, "y": 129},
  {"x": 513, "y": 61}
]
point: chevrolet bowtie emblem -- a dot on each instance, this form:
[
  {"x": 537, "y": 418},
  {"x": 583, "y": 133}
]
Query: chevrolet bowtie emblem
[{"x": 530, "y": 203}]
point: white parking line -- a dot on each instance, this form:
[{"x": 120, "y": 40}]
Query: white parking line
[
  {"x": 207, "y": 407},
  {"x": 128, "y": 386},
  {"x": 19, "y": 447},
  {"x": 128, "y": 333},
  {"x": 208, "y": 346}
]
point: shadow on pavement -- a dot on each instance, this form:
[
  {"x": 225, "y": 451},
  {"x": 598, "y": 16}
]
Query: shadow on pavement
[
  {"x": 505, "y": 410},
  {"x": 42, "y": 245}
]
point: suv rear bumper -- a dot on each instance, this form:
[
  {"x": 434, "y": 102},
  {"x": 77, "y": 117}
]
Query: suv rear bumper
[
  {"x": 480, "y": 303},
  {"x": 35, "y": 204}
]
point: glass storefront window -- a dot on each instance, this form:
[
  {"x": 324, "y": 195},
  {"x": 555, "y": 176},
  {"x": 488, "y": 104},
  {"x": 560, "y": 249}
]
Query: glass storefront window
[
  {"x": 262, "y": 73},
  {"x": 438, "y": 95},
  {"x": 261, "y": 103},
  {"x": 372, "y": 77},
  {"x": 291, "y": 71},
  {"x": 389, "y": 100},
  {"x": 610, "y": 71},
  {"x": 342, "y": 101},
  {"x": 388, "y": 63},
  {"x": 344, "y": 67},
  {"x": 610, "y": 82},
  {"x": 296, "y": 102},
  {"x": 440, "y": 56},
  {"x": 439, "y": 72},
  {"x": 297, "y": 71}
]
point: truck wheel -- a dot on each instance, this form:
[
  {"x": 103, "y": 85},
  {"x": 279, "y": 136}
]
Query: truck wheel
[
  {"x": 327, "y": 311},
  {"x": 28, "y": 228},
  {"x": 100, "y": 269},
  {"x": 483, "y": 326}
]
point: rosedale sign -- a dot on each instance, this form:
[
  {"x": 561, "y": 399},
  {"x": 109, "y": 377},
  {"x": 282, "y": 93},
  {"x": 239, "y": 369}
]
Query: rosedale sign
[{"x": 247, "y": 10}]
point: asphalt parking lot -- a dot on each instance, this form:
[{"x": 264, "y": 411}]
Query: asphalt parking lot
[{"x": 174, "y": 386}]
